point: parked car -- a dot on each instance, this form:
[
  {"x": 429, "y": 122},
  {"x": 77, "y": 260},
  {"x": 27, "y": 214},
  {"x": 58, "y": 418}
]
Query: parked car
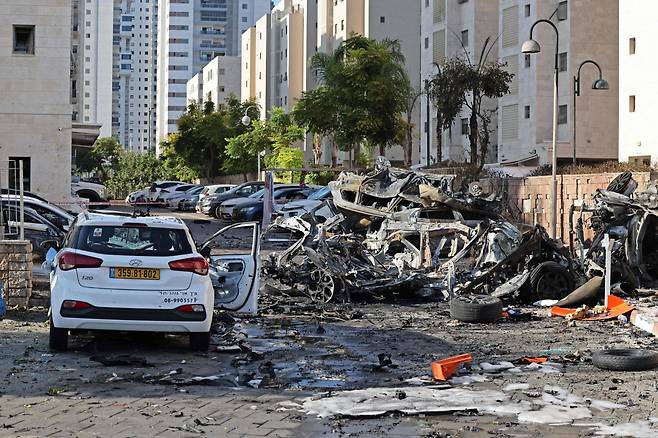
[
  {"x": 92, "y": 191},
  {"x": 42, "y": 233},
  {"x": 252, "y": 210},
  {"x": 225, "y": 209},
  {"x": 215, "y": 189},
  {"x": 145, "y": 274},
  {"x": 161, "y": 187},
  {"x": 172, "y": 198},
  {"x": 54, "y": 214},
  {"x": 210, "y": 204},
  {"x": 303, "y": 206}
]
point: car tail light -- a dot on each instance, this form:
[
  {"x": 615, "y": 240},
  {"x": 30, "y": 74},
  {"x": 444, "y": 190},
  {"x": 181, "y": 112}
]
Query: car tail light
[
  {"x": 191, "y": 308},
  {"x": 198, "y": 265},
  {"x": 76, "y": 305},
  {"x": 70, "y": 260}
]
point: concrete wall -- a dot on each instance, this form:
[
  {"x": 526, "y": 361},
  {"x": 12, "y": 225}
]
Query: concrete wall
[
  {"x": 221, "y": 78},
  {"x": 16, "y": 271},
  {"x": 195, "y": 89},
  {"x": 248, "y": 62},
  {"x": 35, "y": 109}
]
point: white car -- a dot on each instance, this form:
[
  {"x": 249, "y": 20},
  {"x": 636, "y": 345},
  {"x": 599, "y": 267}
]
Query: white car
[
  {"x": 161, "y": 188},
  {"x": 303, "y": 206},
  {"x": 172, "y": 198},
  {"x": 145, "y": 274},
  {"x": 93, "y": 192},
  {"x": 214, "y": 189}
]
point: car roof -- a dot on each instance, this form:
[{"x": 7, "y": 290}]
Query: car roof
[
  {"x": 213, "y": 186},
  {"x": 101, "y": 219}
]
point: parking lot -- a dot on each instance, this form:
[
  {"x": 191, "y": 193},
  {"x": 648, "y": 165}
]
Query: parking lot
[{"x": 262, "y": 372}]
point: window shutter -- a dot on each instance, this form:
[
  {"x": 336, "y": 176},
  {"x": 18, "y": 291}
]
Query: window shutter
[
  {"x": 511, "y": 26},
  {"x": 439, "y": 47},
  {"x": 439, "y": 11},
  {"x": 510, "y": 122}
]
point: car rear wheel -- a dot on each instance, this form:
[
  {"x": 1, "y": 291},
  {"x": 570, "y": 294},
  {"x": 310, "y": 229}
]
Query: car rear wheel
[
  {"x": 200, "y": 341},
  {"x": 216, "y": 213},
  {"x": 59, "y": 338}
]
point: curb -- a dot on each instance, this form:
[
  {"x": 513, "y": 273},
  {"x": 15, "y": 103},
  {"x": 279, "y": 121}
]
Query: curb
[{"x": 645, "y": 318}]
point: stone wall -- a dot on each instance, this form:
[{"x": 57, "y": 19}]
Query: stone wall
[
  {"x": 16, "y": 271},
  {"x": 532, "y": 196}
]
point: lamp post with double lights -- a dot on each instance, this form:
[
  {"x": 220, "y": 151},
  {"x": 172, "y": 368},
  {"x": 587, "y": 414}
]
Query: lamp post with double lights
[
  {"x": 532, "y": 46},
  {"x": 599, "y": 84}
]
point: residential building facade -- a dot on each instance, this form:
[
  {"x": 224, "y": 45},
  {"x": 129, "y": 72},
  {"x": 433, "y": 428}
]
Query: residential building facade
[
  {"x": 192, "y": 33},
  {"x": 35, "y": 109},
  {"x": 588, "y": 29},
  {"x": 91, "y": 63},
  {"x": 218, "y": 80},
  {"x": 638, "y": 85}
]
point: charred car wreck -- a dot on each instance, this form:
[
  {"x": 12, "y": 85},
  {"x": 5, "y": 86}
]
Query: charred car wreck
[{"x": 400, "y": 231}]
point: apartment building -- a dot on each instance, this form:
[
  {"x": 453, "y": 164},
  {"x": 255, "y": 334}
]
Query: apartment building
[
  {"x": 638, "y": 84},
  {"x": 218, "y": 80},
  {"x": 133, "y": 73},
  {"x": 450, "y": 29},
  {"x": 192, "y": 33},
  {"x": 91, "y": 63},
  {"x": 35, "y": 109},
  {"x": 588, "y": 29}
]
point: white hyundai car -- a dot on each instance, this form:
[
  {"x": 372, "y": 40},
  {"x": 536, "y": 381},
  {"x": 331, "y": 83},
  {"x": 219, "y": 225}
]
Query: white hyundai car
[{"x": 145, "y": 274}]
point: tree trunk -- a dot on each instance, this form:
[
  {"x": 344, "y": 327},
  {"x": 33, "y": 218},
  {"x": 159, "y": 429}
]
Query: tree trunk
[
  {"x": 357, "y": 153},
  {"x": 334, "y": 152},
  {"x": 473, "y": 130},
  {"x": 382, "y": 151},
  {"x": 317, "y": 148},
  {"x": 211, "y": 163},
  {"x": 409, "y": 147},
  {"x": 439, "y": 137}
]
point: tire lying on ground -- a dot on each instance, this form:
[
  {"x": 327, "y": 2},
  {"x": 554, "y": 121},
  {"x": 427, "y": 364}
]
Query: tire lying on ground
[
  {"x": 550, "y": 280},
  {"x": 476, "y": 308},
  {"x": 625, "y": 359}
]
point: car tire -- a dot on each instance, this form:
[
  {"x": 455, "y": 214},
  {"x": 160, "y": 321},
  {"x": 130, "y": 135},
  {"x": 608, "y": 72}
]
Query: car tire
[
  {"x": 59, "y": 338},
  {"x": 550, "y": 280},
  {"x": 200, "y": 341},
  {"x": 476, "y": 308},
  {"x": 625, "y": 359},
  {"x": 216, "y": 214}
]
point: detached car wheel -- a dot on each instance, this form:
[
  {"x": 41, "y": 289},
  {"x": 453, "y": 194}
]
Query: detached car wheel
[
  {"x": 476, "y": 308},
  {"x": 59, "y": 338},
  {"x": 625, "y": 359},
  {"x": 551, "y": 281},
  {"x": 200, "y": 341}
]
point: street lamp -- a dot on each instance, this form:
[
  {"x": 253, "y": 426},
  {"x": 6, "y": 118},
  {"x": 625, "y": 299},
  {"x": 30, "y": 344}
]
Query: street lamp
[
  {"x": 599, "y": 84},
  {"x": 532, "y": 46},
  {"x": 427, "y": 126},
  {"x": 246, "y": 121}
]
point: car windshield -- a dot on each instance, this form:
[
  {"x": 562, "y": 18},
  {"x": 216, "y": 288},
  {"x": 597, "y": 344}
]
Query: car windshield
[
  {"x": 259, "y": 194},
  {"x": 194, "y": 190},
  {"x": 320, "y": 194},
  {"x": 120, "y": 240}
]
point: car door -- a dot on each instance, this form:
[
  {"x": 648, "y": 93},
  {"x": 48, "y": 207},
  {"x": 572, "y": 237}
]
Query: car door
[{"x": 235, "y": 272}]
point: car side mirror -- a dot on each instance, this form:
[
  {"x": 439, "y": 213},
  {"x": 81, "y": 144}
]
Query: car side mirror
[{"x": 49, "y": 262}]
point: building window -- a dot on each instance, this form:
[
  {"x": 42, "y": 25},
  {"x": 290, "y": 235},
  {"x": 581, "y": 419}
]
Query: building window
[
  {"x": 643, "y": 160},
  {"x": 631, "y": 46},
  {"x": 527, "y": 61},
  {"x": 631, "y": 104},
  {"x": 427, "y": 43},
  {"x": 14, "y": 173},
  {"x": 461, "y": 1},
  {"x": 562, "y": 62},
  {"x": 382, "y": 19},
  {"x": 464, "y": 127},
  {"x": 24, "y": 40},
  {"x": 465, "y": 38},
  {"x": 527, "y": 10},
  {"x": 526, "y": 113},
  {"x": 562, "y": 115},
  {"x": 427, "y": 3},
  {"x": 342, "y": 24},
  {"x": 562, "y": 11}
]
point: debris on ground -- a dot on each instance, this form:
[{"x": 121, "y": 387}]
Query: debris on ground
[{"x": 122, "y": 360}]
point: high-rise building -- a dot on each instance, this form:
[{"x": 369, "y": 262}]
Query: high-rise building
[
  {"x": 638, "y": 86},
  {"x": 133, "y": 73},
  {"x": 35, "y": 109},
  {"x": 192, "y": 33},
  {"x": 91, "y": 50}
]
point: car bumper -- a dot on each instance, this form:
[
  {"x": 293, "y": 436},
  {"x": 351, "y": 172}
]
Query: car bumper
[{"x": 226, "y": 213}]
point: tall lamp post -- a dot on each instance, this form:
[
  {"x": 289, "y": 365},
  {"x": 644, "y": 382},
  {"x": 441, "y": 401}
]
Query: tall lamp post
[
  {"x": 599, "y": 84},
  {"x": 246, "y": 121},
  {"x": 532, "y": 46},
  {"x": 427, "y": 126}
]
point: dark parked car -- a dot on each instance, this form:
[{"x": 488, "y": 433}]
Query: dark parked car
[
  {"x": 40, "y": 231},
  {"x": 252, "y": 210},
  {"x": 210, "y": 204}
]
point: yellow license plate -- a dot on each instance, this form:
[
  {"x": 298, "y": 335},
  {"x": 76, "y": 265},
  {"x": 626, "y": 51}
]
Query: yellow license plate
[{"x": 135, "y": 273}]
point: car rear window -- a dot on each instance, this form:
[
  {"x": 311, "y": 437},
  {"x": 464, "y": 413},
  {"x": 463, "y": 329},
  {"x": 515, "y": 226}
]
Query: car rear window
[{"x": 120, "y": 240}]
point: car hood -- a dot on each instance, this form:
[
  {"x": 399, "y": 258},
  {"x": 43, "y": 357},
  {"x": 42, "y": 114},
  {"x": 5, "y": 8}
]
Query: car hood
[
  {"x": 251, "y": 203},
  {"x": 302, "y": 203},
  {"x": 235, "y": 201}
]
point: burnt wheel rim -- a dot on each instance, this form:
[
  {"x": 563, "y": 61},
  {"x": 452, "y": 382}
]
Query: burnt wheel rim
[
  {"x": 321, "y": 286},
  {"x": 552, "y": 285}
]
